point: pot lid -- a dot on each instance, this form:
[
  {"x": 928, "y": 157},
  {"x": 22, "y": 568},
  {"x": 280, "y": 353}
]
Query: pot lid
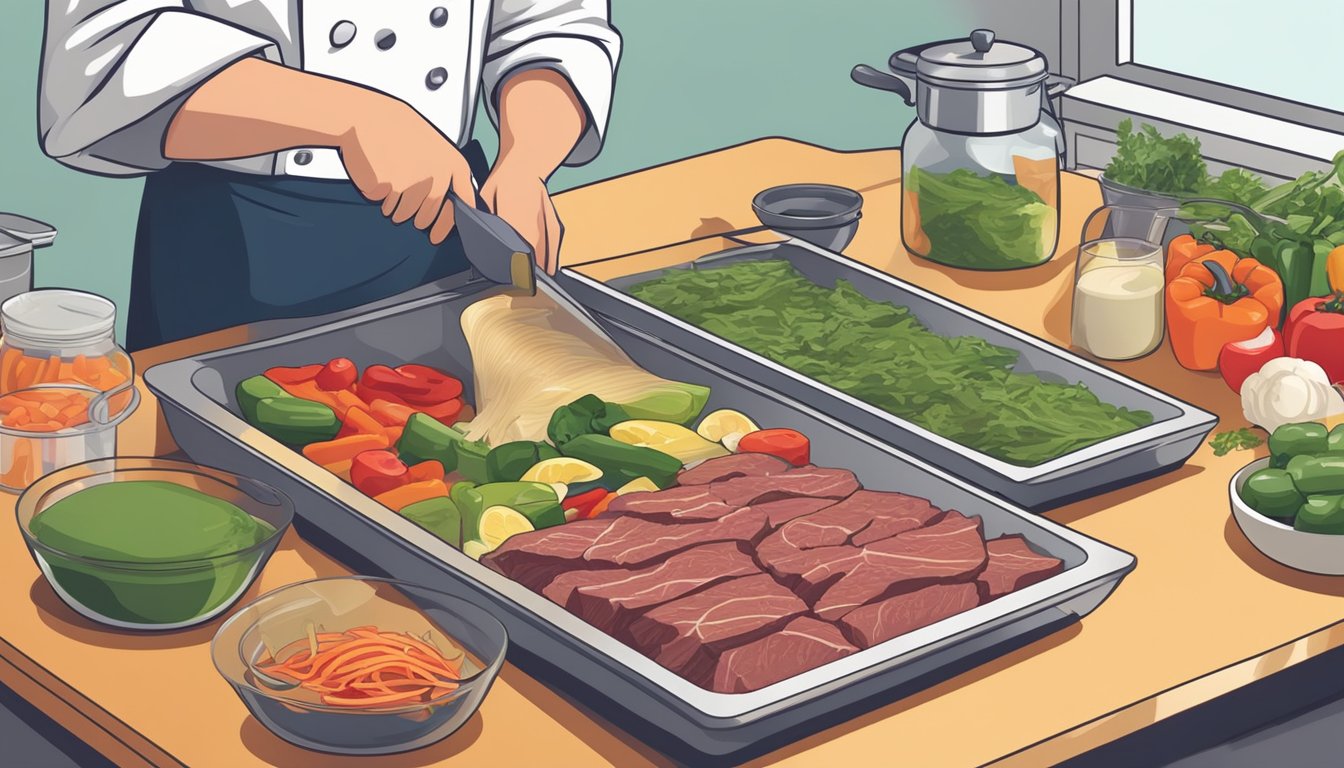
[
  {"x": 981, "y": 60},
  {"x": 58, "y": 315},
  {"x": 13, "y": 246}
]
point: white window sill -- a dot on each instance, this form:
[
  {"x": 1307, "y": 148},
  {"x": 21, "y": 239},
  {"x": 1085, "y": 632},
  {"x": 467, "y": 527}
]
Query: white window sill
[{"x": 1228, "y": 136}]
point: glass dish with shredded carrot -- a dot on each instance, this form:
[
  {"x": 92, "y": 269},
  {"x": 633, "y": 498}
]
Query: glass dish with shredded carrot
[{"x": 367, "y": 668}]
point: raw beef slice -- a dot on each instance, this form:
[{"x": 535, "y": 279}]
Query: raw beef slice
[
  {"x": 782, "y": 511},
  {"x": 817, "y": 482},
  {"x": 893, "y": 617},
  {"x": 863, "y": 517},
  {"x": 734, "y": 465},
  {"x": 610, "y": 601},
  {"x": 949, "y": 550},
  {"x": 686, "y": 635},
  {"x": 692, "y": 503},
  {"x": 803, "y": 644},
  {"x": 631, "y": 541},
  {"x": 1014, "y": 565},
  {"x": 534, "y": 558}
]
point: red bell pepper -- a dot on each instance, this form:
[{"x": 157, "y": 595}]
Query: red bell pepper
[
  {"x": 282, "y": 375},
  {"x": 1315, "y": 332},
  {"x": 414, "y": 385},
  {"x": 377, "y": 472},
  {"x": 787, "y": 444},
  {"x": 1239, "y": 359},
  {"x": 446, "y": 412},
  {"x": 339, "y": 373},
  {"x": 584, "y": 503}
]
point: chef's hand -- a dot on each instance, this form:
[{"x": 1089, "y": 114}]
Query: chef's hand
[
  {"x": 396, "y": 158},
  {"x": 521, "y": 199}
]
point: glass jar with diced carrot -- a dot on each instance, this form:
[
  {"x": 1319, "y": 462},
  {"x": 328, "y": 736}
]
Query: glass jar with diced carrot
[{"x": 64, "y": 383}]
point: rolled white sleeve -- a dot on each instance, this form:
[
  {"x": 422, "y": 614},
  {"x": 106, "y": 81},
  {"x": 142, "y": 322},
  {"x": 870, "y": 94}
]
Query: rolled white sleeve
[
  {"x": 115, "y": 72},
  {"x": 572, "y": 37}
]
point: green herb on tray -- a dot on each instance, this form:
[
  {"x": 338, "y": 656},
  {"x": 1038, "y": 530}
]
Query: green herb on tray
[
  {"x": 963, "y": 388},
  {"x": 982, "y": 222},
  {"x": 1242, "y": 439}
]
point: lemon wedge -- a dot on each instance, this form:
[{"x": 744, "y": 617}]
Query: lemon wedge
[
  {"x": 499, "y": 523},
  {"x": 562, "y": 470},
  {"x": 724, "y": 422},
  {"x": 638, "y": 485},
  {"x": 672, "y": 439}
]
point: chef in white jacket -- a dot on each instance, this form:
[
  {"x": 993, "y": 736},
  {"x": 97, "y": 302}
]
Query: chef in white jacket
[{"x": 298, "y": 153}]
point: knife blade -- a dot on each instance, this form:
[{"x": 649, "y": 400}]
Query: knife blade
[{"x": 493, "y": 248}]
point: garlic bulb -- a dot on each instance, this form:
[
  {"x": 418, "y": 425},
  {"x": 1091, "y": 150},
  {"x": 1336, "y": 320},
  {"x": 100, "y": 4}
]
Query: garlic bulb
[{"x": 1287, "y": 390}]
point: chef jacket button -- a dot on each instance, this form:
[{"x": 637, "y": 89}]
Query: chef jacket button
[
  {"x": 436, "y": 77},
  {"x": 303, "y": 157},
  {"x": 342, "y": 33},
  {"x": 385, "y": 39},
  {"x": 439, "y": 16}
]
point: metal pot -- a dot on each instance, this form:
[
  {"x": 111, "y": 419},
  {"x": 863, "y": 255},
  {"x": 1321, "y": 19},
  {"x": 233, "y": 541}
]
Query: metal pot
[
  {"x": 19, "y": 235},
  {"x": 975, "y": 85}
]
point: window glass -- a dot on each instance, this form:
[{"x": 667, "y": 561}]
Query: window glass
[{"x": 1290, "y": 49}]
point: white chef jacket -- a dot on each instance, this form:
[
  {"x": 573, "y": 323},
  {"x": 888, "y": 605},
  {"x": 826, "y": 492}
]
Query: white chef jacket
[{"x": 114, "y": 72}]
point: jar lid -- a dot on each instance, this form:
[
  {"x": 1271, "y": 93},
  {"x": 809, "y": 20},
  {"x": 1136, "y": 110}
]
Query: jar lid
[
  {"x": 57, "y": 315},
  {"x": 981, "y": 60}
]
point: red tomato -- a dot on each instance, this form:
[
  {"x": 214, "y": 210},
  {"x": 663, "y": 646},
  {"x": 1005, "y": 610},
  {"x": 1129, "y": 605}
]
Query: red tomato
[
  {"x": 414, "y": 385},
  {"x": 1239, "y": 359},
  {"x": 377, "y": 472},
  {"x": 787, "y": 444}
]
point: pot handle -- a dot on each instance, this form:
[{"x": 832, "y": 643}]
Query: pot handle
[
  {"x": 872, "y": 78},
  {"x": 904, "y": 62},
  {"x": 1058, "y": 84}
]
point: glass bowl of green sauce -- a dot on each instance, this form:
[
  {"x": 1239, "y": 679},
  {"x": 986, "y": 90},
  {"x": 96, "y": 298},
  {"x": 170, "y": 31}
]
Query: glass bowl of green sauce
[
  {"x": 151, "y": 544},
  {"x": 360, "y": 665}
]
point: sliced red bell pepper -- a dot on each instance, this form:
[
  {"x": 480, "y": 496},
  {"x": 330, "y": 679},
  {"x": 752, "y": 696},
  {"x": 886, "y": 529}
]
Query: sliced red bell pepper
[
  {"x": 339, "y": 373},
  {"x": 377, "y": 472},
  {"x": 584, "y": 503},
  {"x": 447, "y": 412},
  {"x": 414, "y": 385},
  {"x": 787, "y": 444},
  {"x": 282, "y": 375}
]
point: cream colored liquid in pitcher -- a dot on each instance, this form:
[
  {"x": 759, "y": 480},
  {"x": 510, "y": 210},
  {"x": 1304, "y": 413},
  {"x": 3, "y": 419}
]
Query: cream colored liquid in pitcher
[{"x": 1117, "y": 312}]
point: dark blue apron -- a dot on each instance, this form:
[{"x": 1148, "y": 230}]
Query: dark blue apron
[{"x": 215, "y": 248}]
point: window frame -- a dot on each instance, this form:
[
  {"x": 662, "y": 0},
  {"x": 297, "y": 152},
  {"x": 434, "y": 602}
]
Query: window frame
[{"x": 1101, "y": 45}]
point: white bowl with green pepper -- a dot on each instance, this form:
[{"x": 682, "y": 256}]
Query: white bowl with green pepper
[{"x": 1291, "y": 504}]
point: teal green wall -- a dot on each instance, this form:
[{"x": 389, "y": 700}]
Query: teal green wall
[{"x": 696, "y": 75}]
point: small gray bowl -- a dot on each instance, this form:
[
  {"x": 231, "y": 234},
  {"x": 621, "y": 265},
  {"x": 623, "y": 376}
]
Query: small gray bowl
[{"x": 822, "y": 214}]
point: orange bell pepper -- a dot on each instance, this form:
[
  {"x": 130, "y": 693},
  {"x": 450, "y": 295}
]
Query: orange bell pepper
[
  {"x": 1215, "y": 299},
  {"x": 1182, "y": 251}
]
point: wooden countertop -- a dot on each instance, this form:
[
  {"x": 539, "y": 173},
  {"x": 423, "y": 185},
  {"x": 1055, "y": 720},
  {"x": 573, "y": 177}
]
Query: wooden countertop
[{"x": 1203, "y": 614}]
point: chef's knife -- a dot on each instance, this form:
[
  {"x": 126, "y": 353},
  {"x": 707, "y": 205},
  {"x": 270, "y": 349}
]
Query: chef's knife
[{"x": 494, "y": 248}]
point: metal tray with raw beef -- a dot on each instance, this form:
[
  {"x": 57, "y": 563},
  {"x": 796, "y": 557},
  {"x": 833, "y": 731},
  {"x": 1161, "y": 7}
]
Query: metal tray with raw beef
[
  {"x": 867, "y": 573},
  {"x": 1016, "y": 415}
]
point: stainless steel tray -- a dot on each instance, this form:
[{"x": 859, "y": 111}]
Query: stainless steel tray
[
  {"x": 619, "y": 683},
  {"x": 1176, "y": 431}
]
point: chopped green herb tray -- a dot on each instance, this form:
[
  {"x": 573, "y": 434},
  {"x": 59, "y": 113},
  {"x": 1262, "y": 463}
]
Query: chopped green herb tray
[{"x": 962, "y": 388}]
